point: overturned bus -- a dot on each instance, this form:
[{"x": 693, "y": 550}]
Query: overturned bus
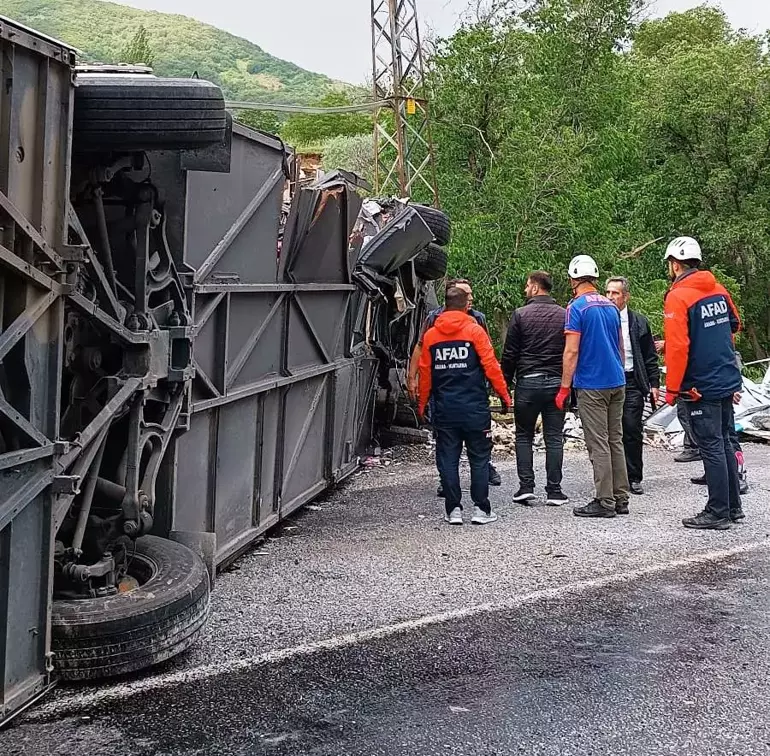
[{"x": 182, "y": 362}]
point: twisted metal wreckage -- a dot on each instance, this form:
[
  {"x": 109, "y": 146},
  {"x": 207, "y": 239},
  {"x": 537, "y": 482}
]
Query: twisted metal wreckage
[{"x": 181, "y": 364}]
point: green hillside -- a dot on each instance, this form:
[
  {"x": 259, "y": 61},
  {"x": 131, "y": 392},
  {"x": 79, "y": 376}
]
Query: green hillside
[{"x": 180, "y": 45}]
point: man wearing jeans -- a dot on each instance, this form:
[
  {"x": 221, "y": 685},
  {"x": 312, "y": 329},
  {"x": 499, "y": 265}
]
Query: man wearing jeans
[
  {"x": 593, "y": 364},
  {"x": 457, "y": 358},
  {"x": 700, "y": 323},
  {"x": 532, "y": 356}
]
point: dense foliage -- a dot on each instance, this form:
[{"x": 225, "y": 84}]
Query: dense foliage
[
  {"x": 317, "y": 128},
  {"x": 352, "y": 153},
  {"x": 104, "y": 31},
  {"x": 569, "y": 127}
]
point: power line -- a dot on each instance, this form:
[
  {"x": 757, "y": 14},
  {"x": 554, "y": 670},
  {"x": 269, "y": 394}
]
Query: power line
[{"x": 271, "y": 106}]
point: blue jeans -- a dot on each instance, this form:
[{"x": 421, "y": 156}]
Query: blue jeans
[
  {"x": 712, "y": 424},
  {"x": 449, "y": 446}
]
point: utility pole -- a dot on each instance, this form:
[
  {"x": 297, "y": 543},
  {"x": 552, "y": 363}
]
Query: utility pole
[{"x": 403, "y": 144}]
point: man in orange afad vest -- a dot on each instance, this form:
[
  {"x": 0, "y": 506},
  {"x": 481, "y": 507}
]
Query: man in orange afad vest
[
  {"x": 701, "y": 369},
  {"x": 456, "y": 357}
]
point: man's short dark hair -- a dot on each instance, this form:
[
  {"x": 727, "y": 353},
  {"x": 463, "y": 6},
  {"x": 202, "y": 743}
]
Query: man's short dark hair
[
  {"x": 690, "y": 264},
  {"x": 452, "y": 282},
  {"x": 542, "y": 279},
  {"x": 456, "y": 299}
]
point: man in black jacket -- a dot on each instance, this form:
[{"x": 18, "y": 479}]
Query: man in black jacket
[
  {"x": 642, "y": 378},
  {"x": 532, "y": 356}
]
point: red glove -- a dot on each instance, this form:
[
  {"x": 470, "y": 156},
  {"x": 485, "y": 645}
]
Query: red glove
[
  {"x": 562, "y": 397},
  {"x": 670, "y": 398}
]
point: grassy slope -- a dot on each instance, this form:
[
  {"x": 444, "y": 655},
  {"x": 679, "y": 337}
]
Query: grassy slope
[{"x": 181, "y": 45}]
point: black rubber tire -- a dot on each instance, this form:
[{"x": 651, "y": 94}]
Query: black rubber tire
[
  {"x": 431, "y": 263},
  {"x": 438, "y": 222},
  {"x": 105, "y": 637},
  {"x": 131, "y": 113}
]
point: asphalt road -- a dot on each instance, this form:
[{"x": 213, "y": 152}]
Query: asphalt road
[{"x": 545, "y": 635}]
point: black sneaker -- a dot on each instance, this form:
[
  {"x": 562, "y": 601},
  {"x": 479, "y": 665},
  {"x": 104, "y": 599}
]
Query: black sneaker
[
  {"x": 440, "y": 491},
  {"x": 556, "y": 499},
  {"x": 494, "y": 477},
  {"x": 524, "y": 496},
  {"x": 688, "y": 455},
  {"x": 636, "y": 488},
  {"x": 706, "y": 521},
  {"x": 593, "y": 509},
  {"x": 699, "y": 481},
  {"x": 621, "y": 508},
  {"x": 737, "y": 515}
]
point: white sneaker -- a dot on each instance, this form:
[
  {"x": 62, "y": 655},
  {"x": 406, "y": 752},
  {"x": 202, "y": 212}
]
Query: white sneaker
[
  {"x": 455, "y": 517},
  {"x": 480, "y": 517},
  {"x": 557, "y": 499}
]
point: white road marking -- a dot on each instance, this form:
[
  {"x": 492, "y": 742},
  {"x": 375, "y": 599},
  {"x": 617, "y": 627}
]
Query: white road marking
[{"x": 74, "y": 703}]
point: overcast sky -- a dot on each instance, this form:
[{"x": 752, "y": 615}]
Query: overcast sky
[{"x": 334, "y": 37}]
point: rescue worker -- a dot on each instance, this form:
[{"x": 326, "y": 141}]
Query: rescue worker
[
  {"x": 642, "y": 378},
  {"x": 532, "y": 356},
  {"x": 700, "y": 323},
  {"x": 414, "y": 362},
  {"x": 456, "y": 359},
  {"x": 593, "y": 364}
]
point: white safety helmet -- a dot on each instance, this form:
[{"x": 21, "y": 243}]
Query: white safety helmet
[
  {"x": 684, "y": 248},
  {"x": 583, "y": 266}
]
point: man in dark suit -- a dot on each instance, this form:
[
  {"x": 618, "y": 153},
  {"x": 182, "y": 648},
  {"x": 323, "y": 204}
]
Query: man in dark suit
[{"x": 642, "y": 377}]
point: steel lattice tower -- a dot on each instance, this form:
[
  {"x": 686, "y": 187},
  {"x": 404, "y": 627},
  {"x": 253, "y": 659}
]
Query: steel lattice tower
[{"x": 402, "y": 135}]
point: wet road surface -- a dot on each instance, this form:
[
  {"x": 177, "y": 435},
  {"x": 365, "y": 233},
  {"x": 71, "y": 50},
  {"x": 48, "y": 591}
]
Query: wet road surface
[{"x": 671, "y": 662}]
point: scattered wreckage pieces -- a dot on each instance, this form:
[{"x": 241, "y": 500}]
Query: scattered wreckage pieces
[
  {"x": 752, "y": 417},
  {"x": 504, "y": 434}
]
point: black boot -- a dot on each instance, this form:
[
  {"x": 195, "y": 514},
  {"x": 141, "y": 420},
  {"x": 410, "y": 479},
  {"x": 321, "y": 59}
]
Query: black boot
[
  {"x": 706, "y": 521},
  {"x": 688, "y": 455},
  {"x": 594, "y": 509}
]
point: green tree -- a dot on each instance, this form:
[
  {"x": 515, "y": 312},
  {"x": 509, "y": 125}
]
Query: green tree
[
  {"x": 315, "y": 129},
  {"x": 138, "y": 50},
  {"x": 704, "y": 111},
  {"x": 533, "y": 145},
  {"x": 261, "y": 120},
  {"x": 350, "y": 153}
]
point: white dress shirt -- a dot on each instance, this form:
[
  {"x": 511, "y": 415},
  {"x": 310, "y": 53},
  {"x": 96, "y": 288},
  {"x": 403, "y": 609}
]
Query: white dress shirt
[{"x": 629, "y": 352}]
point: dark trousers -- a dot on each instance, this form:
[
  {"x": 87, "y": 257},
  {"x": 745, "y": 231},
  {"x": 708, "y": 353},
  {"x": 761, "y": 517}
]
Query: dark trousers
[
  {"x": 712, "y": 423},
  {"x": 533, "y": 397},
  {"x": 633, "y": 430},
  {"x": 449, "y": 446},
  {"x": 492, "y": 468},
  {"x": 682, "y": 412}
]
